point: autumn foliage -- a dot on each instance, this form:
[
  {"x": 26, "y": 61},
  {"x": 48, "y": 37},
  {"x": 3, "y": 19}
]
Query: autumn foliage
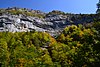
[{"x": 76, "y": 46}]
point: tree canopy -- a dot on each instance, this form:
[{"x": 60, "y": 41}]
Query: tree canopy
[{"x": 76, "y": 46}]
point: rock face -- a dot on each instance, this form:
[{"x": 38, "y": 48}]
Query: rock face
[
  {"x": 52, "y": 23},
  {"x": 20, "y": 23}
]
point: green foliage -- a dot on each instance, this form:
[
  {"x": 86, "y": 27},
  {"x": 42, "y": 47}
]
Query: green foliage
[
  {"x": 24, "y": 49},
  {"x": 77, "y": 46},
  {"x": 82, "y": 41},
  {"x": 56, "y": 12},
  {"x": 4, "y": 53},
  {"x": 59, "y": 54},
  {"x": 27, "y": 13},
  {"x": 96, "y": 25}
]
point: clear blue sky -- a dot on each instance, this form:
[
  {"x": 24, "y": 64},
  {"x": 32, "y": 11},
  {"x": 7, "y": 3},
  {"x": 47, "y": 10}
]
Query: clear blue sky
[{"x": 70, "y": 6}]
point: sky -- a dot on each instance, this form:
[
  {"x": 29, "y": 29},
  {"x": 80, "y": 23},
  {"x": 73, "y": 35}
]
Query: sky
[{"x": 68, "y": 6}]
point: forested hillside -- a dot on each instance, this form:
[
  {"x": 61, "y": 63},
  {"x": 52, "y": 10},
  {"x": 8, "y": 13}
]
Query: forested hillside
[{"x": 76, "y": 46}]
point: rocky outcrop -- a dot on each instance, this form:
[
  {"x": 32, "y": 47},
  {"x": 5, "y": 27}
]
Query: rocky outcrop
[
  {"x": 52, "y": 23},
  {"x": 19, "y": 23}
]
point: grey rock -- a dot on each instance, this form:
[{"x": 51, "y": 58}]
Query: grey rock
[{"x": 53, "y": 24}]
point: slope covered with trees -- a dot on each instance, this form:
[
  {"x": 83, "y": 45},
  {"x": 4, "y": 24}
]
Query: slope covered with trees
[{"x": 76, "y": 46}]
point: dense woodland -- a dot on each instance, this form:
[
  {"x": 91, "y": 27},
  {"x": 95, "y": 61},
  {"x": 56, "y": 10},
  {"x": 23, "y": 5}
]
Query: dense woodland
[{"x": 76, "y": 46}]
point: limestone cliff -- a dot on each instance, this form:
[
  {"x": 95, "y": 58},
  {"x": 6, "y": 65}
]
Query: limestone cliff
[{"x": 22, "y": 19}]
